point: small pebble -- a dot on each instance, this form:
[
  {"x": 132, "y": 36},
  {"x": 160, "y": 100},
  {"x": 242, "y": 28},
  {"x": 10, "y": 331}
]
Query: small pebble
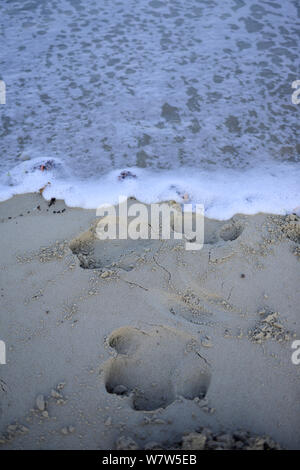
[{"x": 40, "y": 403}]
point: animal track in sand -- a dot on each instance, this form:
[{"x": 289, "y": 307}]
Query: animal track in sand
[
  {"x": 93, "y": 253},
  {"x": 156, "y": 367},
  {"x": 231, "y": 231},
  {"x": 214, "y": 230},
  {"x": 96, "y": 253}
]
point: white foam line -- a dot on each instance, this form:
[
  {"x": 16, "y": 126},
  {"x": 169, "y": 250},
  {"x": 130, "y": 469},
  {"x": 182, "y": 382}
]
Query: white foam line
[{"x": 223, "y": 192}]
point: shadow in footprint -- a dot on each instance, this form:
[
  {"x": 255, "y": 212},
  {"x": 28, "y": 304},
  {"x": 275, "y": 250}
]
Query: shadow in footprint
[
  {"x": 231, "y": 231},
  {"x": 102, "y": 247},
  {"x": 156, "y": 367}
]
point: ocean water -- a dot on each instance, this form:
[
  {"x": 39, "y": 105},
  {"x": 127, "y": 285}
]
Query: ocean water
[{"x": 191, "y": 96}]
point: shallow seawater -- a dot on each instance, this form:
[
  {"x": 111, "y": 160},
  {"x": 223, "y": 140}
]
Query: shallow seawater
[{"x": 194, "y": 94}]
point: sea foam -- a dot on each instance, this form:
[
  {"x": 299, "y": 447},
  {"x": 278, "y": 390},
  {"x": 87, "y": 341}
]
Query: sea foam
[{"x": 223, "y": 192}]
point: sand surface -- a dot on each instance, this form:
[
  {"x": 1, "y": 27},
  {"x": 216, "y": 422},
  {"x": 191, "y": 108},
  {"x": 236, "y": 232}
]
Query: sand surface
[{"x": 118, "y": 342}]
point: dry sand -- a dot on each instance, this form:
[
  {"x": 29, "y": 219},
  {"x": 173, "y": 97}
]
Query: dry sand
[{"x": 142, "y": 344}]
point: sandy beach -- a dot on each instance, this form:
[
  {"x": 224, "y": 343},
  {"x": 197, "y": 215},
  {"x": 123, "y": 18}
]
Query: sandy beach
[{"x": 142, "y": 344}]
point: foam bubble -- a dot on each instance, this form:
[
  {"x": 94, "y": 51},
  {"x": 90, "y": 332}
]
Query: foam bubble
[{"x": 223, "y": 192}]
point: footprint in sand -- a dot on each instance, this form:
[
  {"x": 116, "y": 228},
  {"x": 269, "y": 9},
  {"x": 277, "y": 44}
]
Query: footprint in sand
[
  {"x": 156, "y": 367},
  {"x": 95, "y": 253},
  {"x": 231, "y": 231},
  {"x": 214, "y": 230}
]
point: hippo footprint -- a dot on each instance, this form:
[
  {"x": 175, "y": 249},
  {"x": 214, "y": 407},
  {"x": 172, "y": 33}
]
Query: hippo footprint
[
  {"x": 231, "y": 231},
  {"x": 156, "y": 367}
]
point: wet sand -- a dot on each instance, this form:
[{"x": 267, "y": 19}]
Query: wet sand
[{"x": 138, "y": 344}]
